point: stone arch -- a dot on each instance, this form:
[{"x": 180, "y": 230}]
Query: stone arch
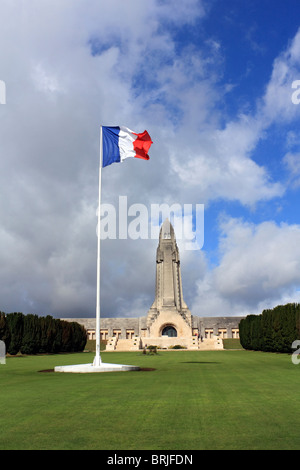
[{"x": 168, "y": 329}]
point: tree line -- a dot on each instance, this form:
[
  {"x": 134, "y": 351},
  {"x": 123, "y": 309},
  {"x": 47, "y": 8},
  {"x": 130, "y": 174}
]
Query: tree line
[
  {"x": 274, "y": 330},
  {"x": 31, "y": 334}
]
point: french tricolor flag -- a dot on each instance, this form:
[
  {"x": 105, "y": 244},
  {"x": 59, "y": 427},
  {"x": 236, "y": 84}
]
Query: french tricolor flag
[{"x": 119, "y": 143}]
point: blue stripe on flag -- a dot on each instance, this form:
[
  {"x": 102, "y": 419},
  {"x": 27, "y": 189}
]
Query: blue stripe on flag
[{"x": 110, "y": 145}]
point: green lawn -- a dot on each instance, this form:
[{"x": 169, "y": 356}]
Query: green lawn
[
  {"x": 192, "y": 400},
  {"x": 232, "y": 343}
]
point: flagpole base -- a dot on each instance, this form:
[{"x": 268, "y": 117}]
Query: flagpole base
[
  {"x": 97, "y": 361},
  {"x": 90, "y": 368}
]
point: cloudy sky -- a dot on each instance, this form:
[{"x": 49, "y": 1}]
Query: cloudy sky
[{"x": 211, "y": 81}]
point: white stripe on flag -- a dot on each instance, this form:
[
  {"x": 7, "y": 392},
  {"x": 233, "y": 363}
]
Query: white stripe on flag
[{"x": 126, "y": 139}]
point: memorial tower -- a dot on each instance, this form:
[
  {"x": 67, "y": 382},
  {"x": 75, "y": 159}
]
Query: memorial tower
[{"x": 169, "y": 314}]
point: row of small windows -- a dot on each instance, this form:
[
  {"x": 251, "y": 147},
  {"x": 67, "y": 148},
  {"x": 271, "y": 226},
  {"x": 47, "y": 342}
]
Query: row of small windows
[
  {"x": 168, "y": 331},
  {"x": 222, "y": 332},
  {"x": 104, "y": 334}
]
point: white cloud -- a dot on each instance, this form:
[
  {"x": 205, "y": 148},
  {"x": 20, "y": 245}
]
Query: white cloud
[
  {"x": 221, "y": 166},
  {"x": 292, "y": 162},
  {"x": 259, "y": 267},
  {"x": 277, "y": 105},
  {"x": 258, "y": 259},
  {"x": 69, "y": 67},
  {"x": 219, "y": 162}
]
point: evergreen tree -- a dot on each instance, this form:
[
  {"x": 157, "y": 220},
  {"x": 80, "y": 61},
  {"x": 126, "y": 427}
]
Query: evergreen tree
[
  {"x": 31, "y": 334},
  {"x": 66, "y": 337},
  {"x": 79, "y": 337},
  {"x": 272, "y": 331},
  {"x": 15, "y": 325},
  {"x": 4, "y": 330},
  {"x": 57, "y": 343},
  {"x": 49, "y": 332}
]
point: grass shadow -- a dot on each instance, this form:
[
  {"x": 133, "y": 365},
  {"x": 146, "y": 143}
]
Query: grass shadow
[{"x": 201, "y": 362}]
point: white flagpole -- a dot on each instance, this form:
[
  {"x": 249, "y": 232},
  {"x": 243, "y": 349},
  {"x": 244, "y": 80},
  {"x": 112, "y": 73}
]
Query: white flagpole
[{"x": 97, "y": 359}]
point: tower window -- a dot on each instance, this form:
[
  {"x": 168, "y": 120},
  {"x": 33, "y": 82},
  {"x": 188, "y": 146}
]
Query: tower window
[{"x": 169, "y": 331}]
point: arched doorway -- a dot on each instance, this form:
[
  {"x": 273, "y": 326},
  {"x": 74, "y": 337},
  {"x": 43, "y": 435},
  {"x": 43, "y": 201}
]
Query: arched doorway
[{"x": 169, "y": 331}]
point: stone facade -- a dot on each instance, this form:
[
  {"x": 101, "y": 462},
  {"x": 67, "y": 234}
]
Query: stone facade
[
  {"x": 169, "y": 321},
  {"x": 128, "y": 328}
]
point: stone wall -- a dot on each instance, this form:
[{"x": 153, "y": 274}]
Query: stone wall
[
  {"x": 217, "y": 324},
  {"x": 126, "y": 327}
]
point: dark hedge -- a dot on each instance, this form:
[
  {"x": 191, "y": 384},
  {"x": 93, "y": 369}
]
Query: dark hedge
[
  {"x": 274, "y": 330},
  {"x": 31, "y": 334}
]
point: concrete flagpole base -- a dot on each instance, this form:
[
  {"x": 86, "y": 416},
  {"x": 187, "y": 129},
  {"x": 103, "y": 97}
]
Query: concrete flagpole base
[{"x": 89, "y": 368}]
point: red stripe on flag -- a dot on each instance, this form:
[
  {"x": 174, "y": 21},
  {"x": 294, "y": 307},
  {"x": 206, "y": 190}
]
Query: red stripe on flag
[{"x": 142, "y": 145}]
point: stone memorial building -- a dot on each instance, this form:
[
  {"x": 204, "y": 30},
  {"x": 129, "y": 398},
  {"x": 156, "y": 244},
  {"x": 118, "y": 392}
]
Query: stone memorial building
[{"x": 169, "y": 321}]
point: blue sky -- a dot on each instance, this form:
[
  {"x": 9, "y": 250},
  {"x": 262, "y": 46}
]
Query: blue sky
[{"x": 211, "y": 81}]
